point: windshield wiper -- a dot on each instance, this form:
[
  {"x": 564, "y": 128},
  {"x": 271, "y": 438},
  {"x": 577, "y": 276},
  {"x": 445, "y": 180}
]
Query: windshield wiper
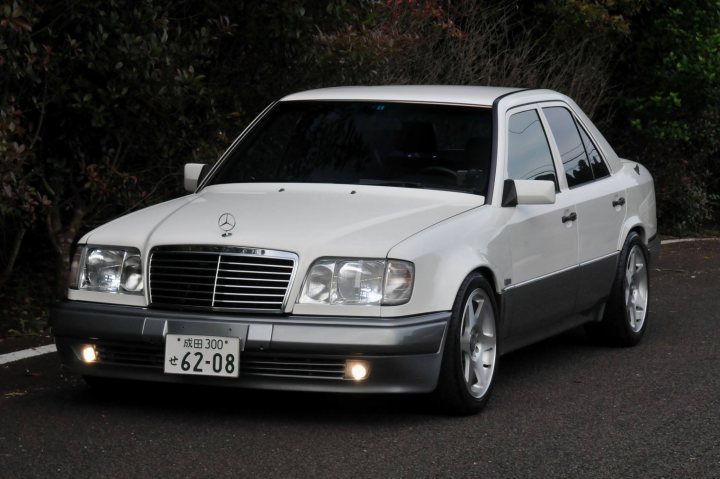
[{"x": 403, "y": 184}]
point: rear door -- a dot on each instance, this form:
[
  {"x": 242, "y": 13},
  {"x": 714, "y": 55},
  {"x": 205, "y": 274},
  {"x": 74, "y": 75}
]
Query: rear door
[{"x": 600, "y": 204}]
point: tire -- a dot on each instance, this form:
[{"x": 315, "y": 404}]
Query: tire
[
  {"x": 626, "y": 311},
  {"x": 470, "y": 356}
]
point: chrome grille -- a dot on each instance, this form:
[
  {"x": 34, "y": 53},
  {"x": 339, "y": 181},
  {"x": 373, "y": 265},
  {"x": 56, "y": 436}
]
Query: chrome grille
[{"x": 220, "y": 279}]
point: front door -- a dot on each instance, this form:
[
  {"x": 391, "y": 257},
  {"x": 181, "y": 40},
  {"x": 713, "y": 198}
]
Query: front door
[{"x": 543, "y": 239}]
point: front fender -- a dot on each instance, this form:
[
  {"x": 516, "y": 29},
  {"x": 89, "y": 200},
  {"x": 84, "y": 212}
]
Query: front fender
[{"x": 446, "y": 253}]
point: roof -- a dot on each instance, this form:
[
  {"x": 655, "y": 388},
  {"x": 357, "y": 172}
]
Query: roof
[{"x": 468, "y": 95}]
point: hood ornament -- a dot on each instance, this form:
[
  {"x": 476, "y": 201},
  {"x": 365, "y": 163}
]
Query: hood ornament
[{"x": 226, "y": 223}]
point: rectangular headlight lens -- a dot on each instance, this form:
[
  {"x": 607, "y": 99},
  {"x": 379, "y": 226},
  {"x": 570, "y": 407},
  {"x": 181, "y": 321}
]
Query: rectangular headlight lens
[
  {"x": 112, "y": 270},
  {"x": 358, "y": 282}
]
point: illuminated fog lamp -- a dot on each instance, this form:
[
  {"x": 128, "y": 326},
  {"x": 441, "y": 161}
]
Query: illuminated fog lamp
[
  {"x": 357, "y": 370},
  {"x": 89, "y": 354}
]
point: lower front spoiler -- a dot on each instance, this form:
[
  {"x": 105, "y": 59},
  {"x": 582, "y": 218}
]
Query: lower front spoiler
[{"x": 283, "y": 353}]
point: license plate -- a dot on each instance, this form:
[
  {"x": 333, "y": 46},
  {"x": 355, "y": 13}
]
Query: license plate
[{"x": 202, "y": 355}]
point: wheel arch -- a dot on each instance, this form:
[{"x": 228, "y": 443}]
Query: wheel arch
[
  {"x": 487, "y": 273},
  {"x": 640, "y": 230},
  {"x": 632, "y": 224},
  {"x": 490, "y": 276}
]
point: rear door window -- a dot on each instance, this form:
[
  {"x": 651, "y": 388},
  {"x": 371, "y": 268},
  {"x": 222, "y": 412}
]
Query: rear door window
[
  {"x": 572, "y": 150},
  {"x": 599, "y": 168},
  {"x": 580, "y": 157}
]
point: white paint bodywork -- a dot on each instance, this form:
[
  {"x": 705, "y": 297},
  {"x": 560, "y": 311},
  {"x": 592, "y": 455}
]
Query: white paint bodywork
[
  {"x": 446, "y": 235},
  {"x": 191, "y": 174},
  {"x": 535, "y": 192}
]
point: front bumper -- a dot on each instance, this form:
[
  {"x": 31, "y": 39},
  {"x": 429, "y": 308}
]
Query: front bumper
[{"x": 298, "y": 353}]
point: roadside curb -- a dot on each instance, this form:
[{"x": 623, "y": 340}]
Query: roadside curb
[{"x": 686, "y": 240}]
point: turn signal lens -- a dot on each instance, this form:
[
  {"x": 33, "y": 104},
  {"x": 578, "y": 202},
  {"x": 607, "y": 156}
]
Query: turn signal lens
[{"x": 398, "y": 282}]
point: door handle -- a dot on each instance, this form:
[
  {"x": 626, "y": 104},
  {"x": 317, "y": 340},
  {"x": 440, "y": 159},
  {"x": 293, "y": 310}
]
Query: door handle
[
  {"x": 618, "y": 202},
  {"x": 571, "y": 217}
]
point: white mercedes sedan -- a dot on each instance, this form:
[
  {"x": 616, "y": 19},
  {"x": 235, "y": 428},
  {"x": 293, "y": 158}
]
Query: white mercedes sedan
[{"x": 395, "y": 239}]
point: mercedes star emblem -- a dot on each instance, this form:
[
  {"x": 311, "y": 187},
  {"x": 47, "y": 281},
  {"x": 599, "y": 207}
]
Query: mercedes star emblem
[{"x": 226, "y": 222}]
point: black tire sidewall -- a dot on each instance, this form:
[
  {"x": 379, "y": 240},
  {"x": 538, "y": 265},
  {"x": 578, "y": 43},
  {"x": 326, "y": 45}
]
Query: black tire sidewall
[
  {"x": 616, "y": 316},
  {"x": 452, "y": 390}
]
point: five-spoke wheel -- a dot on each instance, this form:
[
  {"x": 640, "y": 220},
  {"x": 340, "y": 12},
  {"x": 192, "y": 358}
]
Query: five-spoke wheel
[
  {"x": 636, "y": 288},
  {"x": 471, "y": 349},
  {"x": 626, "y": 311},
  {"x": 478, "y": 343}
]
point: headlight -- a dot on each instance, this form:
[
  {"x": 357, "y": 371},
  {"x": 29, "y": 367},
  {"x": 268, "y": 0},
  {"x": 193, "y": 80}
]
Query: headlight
[
  {"x": 112, "y": 270},
  {"x": 358, "y": 281}
]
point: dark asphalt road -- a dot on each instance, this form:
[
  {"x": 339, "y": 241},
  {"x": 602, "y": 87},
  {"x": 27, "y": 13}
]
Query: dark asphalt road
[{"x": 562, "y": 408}]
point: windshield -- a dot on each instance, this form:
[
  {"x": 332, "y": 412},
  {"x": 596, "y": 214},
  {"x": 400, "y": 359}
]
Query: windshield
[{"x": 373, "y": 143}]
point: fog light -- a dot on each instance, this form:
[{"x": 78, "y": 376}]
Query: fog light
[
  {"x": 89, "y": 354},
  {"x": 357, "y": 370}
]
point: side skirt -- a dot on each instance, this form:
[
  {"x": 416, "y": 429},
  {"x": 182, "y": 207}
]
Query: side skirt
[{"x": 542, "y": 308}]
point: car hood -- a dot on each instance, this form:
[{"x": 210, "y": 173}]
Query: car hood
[{"x": 309, "y": 219}]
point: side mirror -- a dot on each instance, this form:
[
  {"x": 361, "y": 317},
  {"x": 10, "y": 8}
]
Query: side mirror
[
  {"x": 194, "y": 174},
  {"x": 528, "y": 192}
]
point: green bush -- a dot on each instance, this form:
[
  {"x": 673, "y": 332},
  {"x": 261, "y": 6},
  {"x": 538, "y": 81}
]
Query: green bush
[{"x": 672, "y": 109}]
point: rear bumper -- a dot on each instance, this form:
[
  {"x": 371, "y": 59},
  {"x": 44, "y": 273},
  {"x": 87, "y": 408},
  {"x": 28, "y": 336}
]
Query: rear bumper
[{"x": 404, "y": 353}]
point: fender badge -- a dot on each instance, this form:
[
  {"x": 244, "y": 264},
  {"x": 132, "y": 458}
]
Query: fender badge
[{"x": 226, "y": 222}]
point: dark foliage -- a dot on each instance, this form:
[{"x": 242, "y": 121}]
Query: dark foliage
[{"x": 103, "y": 101}]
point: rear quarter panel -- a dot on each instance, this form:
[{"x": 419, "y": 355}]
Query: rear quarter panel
[{"x": 640, "y": 201}]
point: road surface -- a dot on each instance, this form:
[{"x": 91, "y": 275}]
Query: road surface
[{"x": 562, "y": 408}]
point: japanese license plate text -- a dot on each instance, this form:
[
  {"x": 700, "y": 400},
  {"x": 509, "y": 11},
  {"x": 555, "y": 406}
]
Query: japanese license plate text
[{"x": 202, "y": 355}]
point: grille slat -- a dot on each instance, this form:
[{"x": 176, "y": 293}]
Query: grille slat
[
  {"x": 217, "y": 278},
  {"x": 250, "y": 294},
  {"x": 184, "y": 296},
  {"x": 280, "y": 364},
  {"x": 251, "y": 287},
  {"x": 292, "y": 367},
  {"x": 246, "y": 302},
  {"x": 188, "y": 268},
  {"x": 205, "y": 285},
  {"x": 235, "y": 263},
  {"x": 252, "y": 279},
  {"x": 192, "y": 276},
  {"x": 130, "y": 354},
  {"x": 224, "y": 270}
]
